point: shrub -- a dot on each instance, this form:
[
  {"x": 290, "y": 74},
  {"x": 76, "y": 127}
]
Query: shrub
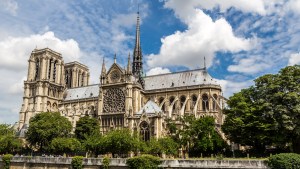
[
  {"x": 143, "y": 162},
  {"x": 105, "y": 162},
  {"x": 6, "y": 159},
  {"x": 284, "y": 161},
  {"x": 77, "y": 162}
]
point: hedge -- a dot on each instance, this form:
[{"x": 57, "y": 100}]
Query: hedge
[
  {"x": 284, "y": 161},
  {"x": 77, "y": 162},
  {"x": 6, "y": 159},
  {"x": 143, "y": 162}
]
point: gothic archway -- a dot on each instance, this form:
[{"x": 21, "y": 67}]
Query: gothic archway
[{"x": 145, "y": 131}]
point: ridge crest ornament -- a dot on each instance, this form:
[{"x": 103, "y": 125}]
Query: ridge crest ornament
[{"x": 114, "y": 101}]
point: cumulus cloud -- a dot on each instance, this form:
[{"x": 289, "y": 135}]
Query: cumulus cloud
[
  {"x": 182, "y": 8},
  {"x": 249, "y": 65},
  {"x": 202, "y": 39},
  {"x": 15, "y": 51},
  {"x": 229, "y": 86},
  {"x": 294, "y": 59},
  {"x": 157, "y": 70},
  {"x": 10, "y": 6}
]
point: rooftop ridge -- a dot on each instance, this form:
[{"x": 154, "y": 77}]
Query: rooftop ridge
[
  {"x": 84, "y": 86},
  {"x": 176, "y": 72}
]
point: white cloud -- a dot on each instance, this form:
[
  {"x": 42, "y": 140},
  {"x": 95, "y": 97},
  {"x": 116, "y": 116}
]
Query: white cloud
[
  {"x": 202, "y": 39},
  {"x": 15, "y": 51},
  {"x": 230, "y": 87},
  {"x": 183, "y": 8},
  {"x": 10, "y": 6},
  {"x": 157, "y": 70},
  {"x": 294, "y": 59},
  {"x": 250, "y": 65}
]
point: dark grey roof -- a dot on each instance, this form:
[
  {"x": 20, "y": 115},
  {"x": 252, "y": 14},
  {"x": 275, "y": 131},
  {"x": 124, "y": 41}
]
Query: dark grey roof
[
  {"x": 22, "y": 131},
  {"x": 179, "y": 79},
  {"x": 82, "y": 92}
]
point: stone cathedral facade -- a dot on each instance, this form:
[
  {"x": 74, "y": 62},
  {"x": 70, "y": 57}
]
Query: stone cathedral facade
[{"x": 124, "y": 97}]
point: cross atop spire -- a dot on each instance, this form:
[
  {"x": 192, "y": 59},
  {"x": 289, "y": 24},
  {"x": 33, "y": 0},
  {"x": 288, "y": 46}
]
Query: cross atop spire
[{"x": 115, "y": 58}]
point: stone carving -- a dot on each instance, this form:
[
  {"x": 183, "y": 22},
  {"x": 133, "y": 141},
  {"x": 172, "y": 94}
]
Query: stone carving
[{"x": 114, "y": 100}]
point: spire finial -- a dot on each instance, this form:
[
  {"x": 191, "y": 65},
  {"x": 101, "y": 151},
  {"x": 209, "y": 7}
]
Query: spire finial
[
  {"x": 204, "y": 63},
  {"x": 103, "y": 67},
  {"x": 115, "y": 58}
]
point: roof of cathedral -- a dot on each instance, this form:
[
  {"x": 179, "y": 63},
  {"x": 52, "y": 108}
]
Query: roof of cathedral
[
  {"x": 82, "y": 92},
  {"x": 179, "y": 79},
  {"x": 150, "y": 108}
]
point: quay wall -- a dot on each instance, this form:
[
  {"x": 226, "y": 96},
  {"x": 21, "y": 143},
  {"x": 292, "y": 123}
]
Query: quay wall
[{"x": 120, "y": 163}]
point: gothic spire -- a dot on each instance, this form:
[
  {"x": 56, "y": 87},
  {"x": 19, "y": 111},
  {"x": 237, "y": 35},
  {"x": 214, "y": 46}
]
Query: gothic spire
[{"x": 137, "y": 66}]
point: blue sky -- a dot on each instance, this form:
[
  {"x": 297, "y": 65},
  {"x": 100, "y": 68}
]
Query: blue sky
[{"x": 240, "y": 39}]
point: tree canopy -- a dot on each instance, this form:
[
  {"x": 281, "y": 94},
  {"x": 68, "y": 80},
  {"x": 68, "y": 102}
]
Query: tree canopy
[
  {"x": 8, "y": 142},
  {"x": 267, "y": 113},
  {"x": 44, "y": 127},
  {"x": 197, "y": 135},
  {"x": 86, "y": 126}
]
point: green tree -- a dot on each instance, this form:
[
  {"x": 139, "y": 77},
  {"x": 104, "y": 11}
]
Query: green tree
[
  {"x": 118, "y": 142},
  {"x": 8, "y": 141},
  {"x": 93, "y": 144},
  {"x": 86, "y": 126},
  {"x": 169, "y": 146},
  {"x": 204, "y": 137},
  {"x": 247, "y": 122},
  {"x": 65, "y": 145},
  {"x": 44, "y": 127},
  {"x": 267, "y": 113}
]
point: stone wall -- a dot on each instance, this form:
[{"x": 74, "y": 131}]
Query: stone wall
[{"x": 120, "y": 163}]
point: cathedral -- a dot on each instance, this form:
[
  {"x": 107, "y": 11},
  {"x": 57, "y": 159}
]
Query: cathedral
[{"x": 124, "y": 97}]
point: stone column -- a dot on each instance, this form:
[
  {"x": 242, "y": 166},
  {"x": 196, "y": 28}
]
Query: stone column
[
  {"x": 88, "y": 79},
  {"x": 73, "y": 84},
  {"x": 43, "y": 69},
  {"x": 51, "y": 71},
  {"x": 62, "y": 73},
  {"x": 58, "y": 72},
  {"x": 31, "y": 70}
]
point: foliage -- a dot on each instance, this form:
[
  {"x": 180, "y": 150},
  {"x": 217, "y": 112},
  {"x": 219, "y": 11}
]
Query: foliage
[
  {"x": 86, "y": 126},
  {"x": 105, "y": 162},
  {"x": 118, "y": 142},
  {"x": 6, "y": 159},
  {"x": 197, "y": 135},
  {"x": 77, "y": 162},
  {"x": 44, "y": 127},
  {"x": 143, "y": 162},
  {"x": 93, "y": 143},
  {"x": 284, "y": 161},
  {"x": 162, "y": 145},
  {"x": 65, "y": 145},
  {"x": 267, "y": 113},
  {"x": 204, "y": 137},
  {"x": 8, "y": 142}
]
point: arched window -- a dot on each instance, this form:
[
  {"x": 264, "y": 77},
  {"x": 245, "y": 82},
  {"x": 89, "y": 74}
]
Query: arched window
[
  {"x": 145, "y": 131},
  {"x": 160, "y": 102},
  {"x": 205, "y": 102},
  {"x": 49, "y": 70},
  {"x": 215, "y": 99},
  {"x": 172, "y": 98},
  {"x": 37, "y": 69},
  {"x": 67, "y": 78},
  {"x": 82, "y": 79},
  {"x": 194, "y": 101},
  {"x": 54, "y": 70},
  {"x": 182, "y": 100}
]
